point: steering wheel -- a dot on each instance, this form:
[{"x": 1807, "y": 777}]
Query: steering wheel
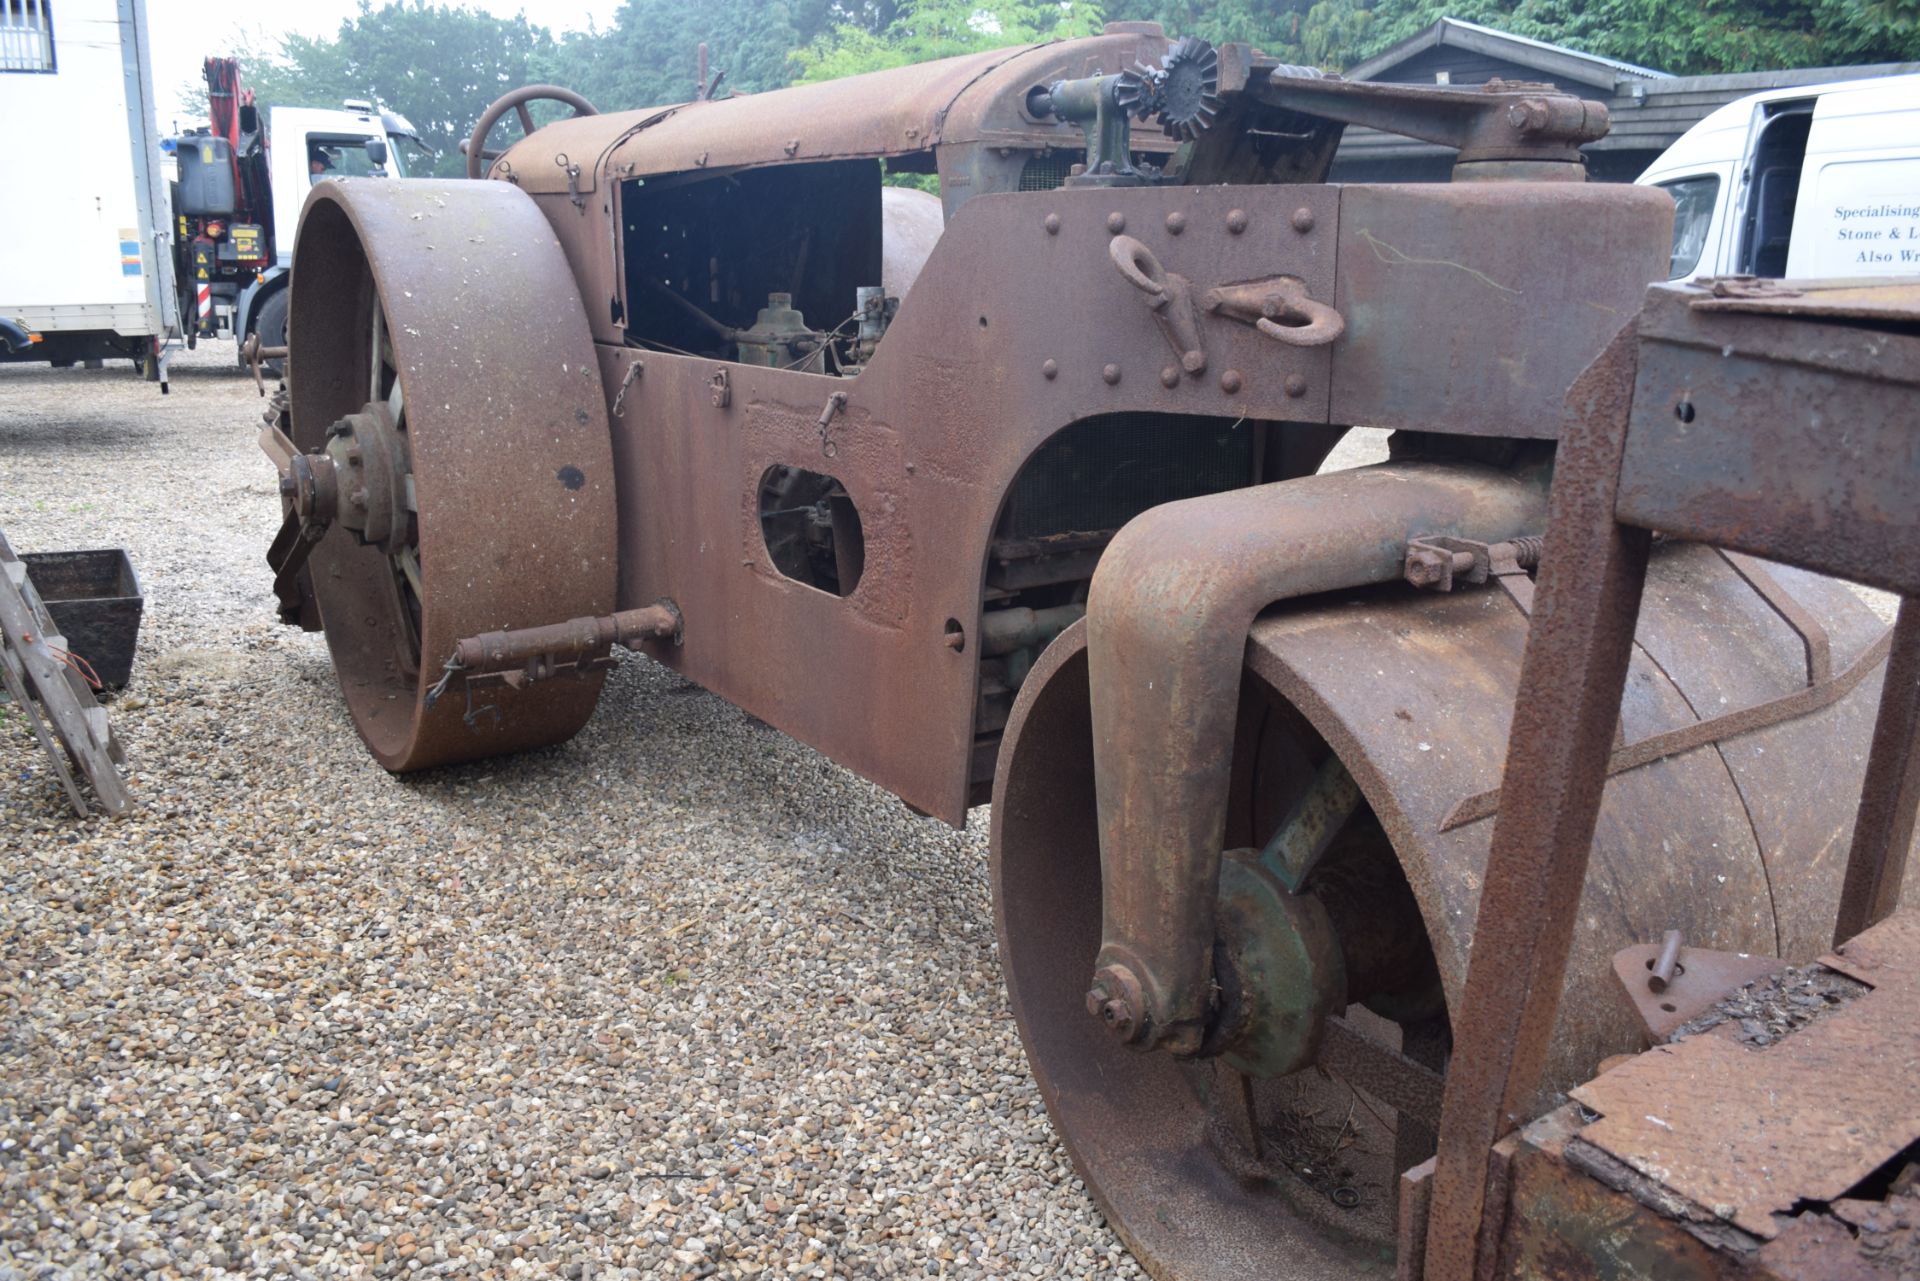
[{"x": 478, "y": 157}]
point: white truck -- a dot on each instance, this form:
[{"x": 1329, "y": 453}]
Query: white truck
[
  {"x": 237, "y": 197},
  {"x": 1816, "y": 181},
  {"x": 86, "y": 270}
]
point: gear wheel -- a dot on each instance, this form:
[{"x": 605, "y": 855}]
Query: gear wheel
[
  {"x": 1188, "y": 85},
  {"x": 1138, "y": 91}
]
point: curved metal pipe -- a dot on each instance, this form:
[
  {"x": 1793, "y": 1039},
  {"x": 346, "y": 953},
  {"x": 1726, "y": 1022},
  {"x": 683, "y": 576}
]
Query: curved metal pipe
[{"x": 1167, "y": 621}]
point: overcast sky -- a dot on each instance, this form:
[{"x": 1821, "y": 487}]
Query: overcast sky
[{"x": 182, "y": 32}]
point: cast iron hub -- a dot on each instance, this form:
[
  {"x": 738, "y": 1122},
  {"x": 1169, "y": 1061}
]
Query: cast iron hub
[
  {"x": 1278, "y": 969},
  {"x": 359, "y": 479}
]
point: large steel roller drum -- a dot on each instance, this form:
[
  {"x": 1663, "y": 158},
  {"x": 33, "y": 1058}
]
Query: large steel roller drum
[
  {"x": 1738, "y": 843},
  {"x": 450, "y": 347}
]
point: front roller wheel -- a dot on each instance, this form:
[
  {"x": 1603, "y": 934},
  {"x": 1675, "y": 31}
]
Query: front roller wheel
[
  {"x": 1207, "y": 1173},
  {"x": 454, "y": 471}
]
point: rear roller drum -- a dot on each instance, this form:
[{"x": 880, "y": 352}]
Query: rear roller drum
[
  {"x": 1260, "y": 1158},
  {"x": 1369, "y": 725},
  {"x": 450, "y": 469}
]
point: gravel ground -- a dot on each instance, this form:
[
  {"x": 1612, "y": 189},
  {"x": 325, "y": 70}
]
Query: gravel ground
[{"x": 680, "y": 998}]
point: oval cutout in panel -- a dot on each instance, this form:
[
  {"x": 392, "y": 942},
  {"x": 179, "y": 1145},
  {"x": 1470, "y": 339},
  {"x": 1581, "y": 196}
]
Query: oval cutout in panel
[{"x": 811, "y": 529}]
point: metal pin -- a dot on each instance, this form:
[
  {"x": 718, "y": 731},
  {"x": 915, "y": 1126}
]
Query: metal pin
[{"x": 1669, "y": 962}]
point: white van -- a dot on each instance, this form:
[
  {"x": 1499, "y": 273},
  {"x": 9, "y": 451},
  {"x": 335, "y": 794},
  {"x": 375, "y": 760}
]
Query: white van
[{"x": 1813, "y": 181}]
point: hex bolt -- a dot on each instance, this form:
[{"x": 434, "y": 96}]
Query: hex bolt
[
  {"x": 1114, "y": 999},
  {"x": 1427, "y": 566},
  {"x": 1176, "y": 223},
  {"x": 289, "y": 486},
  {"x": 1170, "y": 376},
  {"x": 1236, "y": 221},
  {"x": 1528, "y": 115},
  {"x": 1230, "y": 381},
  {"x": 1052, "y": 224},
  {"x": 1111, "y": 373},
  {"x": 1302, "y": 220},
  {"x": 1296, "y": 385},
  {"x": 1050, "y": 369},
  {"x": 1116, "y": 222}
]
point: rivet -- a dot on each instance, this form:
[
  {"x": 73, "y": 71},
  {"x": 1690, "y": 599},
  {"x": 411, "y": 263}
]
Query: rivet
[
  {"x": 1194, "y": 362},
  {"x": 1230, "y": 381},
  {"x": 1296, "y": 385},
  {"x": 1111, "y": 373},
  {"x": 1050, "y": 369},
  {"x": 1236, "y": 220},
  {"x": 1170, "y": 377},
  {"x": 1052, "y": 224},
  {"x": 1116, "y": 222},
  {"x": 1176, "y": 223},
  {"x": 1303, "y": 220}
]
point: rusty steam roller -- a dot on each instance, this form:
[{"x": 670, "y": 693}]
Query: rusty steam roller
[{"x": 1047, "y": 527}]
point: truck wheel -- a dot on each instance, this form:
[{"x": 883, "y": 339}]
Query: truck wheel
[{"x": 270, "y": 322}]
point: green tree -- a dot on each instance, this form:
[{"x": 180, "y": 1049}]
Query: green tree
[
  {"x": 650, "y": 55},
  {"x": 1272, "y": 26},
  {"x": 435, "y": 64},
  {"x": 923, "y": 30}
]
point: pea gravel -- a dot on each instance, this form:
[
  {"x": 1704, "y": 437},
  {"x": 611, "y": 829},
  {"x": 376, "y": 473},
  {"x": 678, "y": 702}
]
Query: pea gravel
[{"x": 678, "y": 999}]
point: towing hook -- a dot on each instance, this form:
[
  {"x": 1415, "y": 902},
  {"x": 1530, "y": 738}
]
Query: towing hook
[
  {"x": 1169, "y": 296},
  {"x": 1279, "y": 307}
]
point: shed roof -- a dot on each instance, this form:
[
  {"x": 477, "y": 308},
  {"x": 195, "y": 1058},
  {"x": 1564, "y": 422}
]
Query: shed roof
[{"x": 1550, "y": 59}]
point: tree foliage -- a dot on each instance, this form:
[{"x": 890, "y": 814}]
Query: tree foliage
[
  {"x": 435, "y": 64},
  {"x": 1686, "y": 37},
  {"x": 650, "y": 55},
  {"x": 922, "y": 30},
  {"x": 440, "y": 64}
]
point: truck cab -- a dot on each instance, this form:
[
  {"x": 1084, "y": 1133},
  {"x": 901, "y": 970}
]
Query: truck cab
[
  {"x": 234, "y": 223},
  {"x": 1809, "y": 181},
  {"x": 357, "y": 142}
]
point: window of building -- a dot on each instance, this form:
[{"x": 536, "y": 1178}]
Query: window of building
[{"x": 26, "y": 35}]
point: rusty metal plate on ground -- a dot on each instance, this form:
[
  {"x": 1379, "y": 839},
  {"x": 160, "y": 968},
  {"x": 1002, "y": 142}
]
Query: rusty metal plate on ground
[{"x": 1748, "y": 1134}]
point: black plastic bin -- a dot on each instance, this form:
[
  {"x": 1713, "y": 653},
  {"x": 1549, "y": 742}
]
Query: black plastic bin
[{"x": 95, "y": 600}]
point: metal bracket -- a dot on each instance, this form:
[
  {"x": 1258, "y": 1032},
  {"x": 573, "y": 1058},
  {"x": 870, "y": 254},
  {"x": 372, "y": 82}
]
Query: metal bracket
[{"x": 1671, "y": 985}]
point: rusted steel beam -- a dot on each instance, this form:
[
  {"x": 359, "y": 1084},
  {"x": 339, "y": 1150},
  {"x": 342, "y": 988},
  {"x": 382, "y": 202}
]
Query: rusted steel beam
[
  {"x": 1499, "y": 121},
  {"x": 1883, "y": 832},
  {"x": 1168, "y": 615},
  {"x": 1589, "y": 596}
]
